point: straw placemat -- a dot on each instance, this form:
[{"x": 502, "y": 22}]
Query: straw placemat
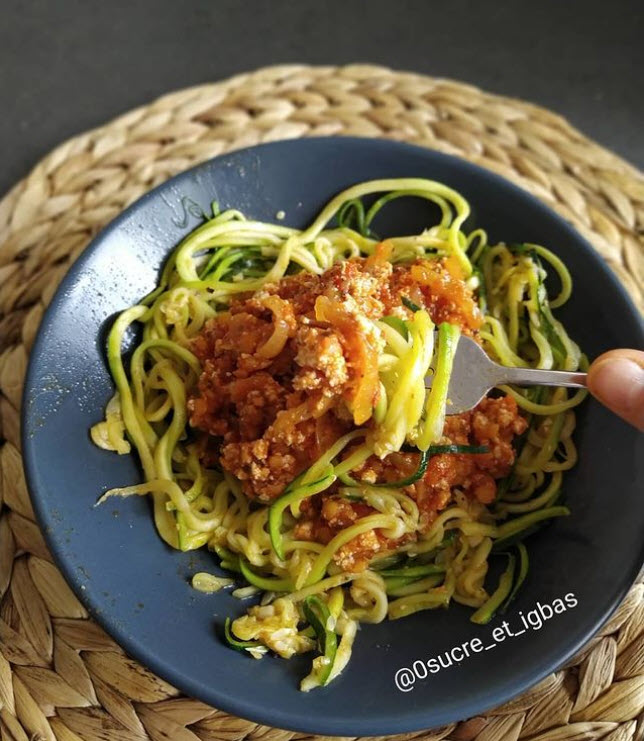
[{"x": 60, "y": 675}]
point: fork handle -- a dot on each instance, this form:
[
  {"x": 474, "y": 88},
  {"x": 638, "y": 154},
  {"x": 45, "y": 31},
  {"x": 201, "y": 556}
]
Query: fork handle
[{"x": 536, "y": 377}]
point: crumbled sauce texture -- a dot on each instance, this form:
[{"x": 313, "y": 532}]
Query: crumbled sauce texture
[{"x": 288, "y": 370}]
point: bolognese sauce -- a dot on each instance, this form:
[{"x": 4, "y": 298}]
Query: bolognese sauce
[{"x": 288, "y": 370}]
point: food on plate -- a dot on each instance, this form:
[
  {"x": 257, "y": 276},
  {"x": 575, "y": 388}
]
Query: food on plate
[{"x": 275, "y": 395}]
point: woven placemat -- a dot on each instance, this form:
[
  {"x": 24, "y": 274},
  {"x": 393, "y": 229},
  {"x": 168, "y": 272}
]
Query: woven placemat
[{"x": 60, "y": 675}]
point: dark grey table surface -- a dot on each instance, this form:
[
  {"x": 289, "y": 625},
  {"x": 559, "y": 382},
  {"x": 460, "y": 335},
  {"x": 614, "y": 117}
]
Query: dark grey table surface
[{"x": 69, "y": 65}]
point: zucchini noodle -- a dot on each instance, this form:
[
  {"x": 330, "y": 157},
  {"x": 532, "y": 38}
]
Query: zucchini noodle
[{"x": 418, "y": 561}]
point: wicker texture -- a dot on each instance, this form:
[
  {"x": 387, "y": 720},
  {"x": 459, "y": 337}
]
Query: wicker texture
[{"x": 61, "y": 677}]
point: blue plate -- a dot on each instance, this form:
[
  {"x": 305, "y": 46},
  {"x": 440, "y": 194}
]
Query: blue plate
[{"x": 426, "y": 670}]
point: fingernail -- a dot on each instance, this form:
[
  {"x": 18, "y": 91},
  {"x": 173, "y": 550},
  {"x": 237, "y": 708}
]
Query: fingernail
[{"x": 618, "y": 382}]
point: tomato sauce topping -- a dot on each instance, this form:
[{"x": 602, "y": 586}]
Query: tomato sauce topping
[{"x": 289, "y": 369}]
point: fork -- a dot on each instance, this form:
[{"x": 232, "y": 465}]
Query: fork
[{"x": 474, "y": 374}]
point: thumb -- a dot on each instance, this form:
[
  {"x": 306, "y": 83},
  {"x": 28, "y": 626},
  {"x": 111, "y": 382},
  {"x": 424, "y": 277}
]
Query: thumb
[{"x": 616, "y": 378}]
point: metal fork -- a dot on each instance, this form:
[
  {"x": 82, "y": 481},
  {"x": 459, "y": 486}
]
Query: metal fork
[{"x": 474, "y": 374}]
